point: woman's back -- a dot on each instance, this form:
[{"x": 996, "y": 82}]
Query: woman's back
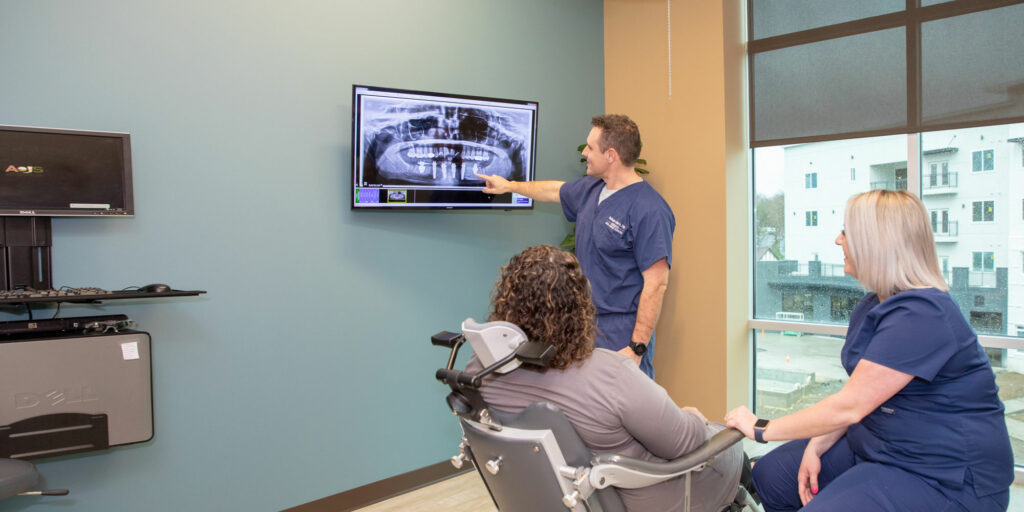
[{"x": 615, "y": 408}]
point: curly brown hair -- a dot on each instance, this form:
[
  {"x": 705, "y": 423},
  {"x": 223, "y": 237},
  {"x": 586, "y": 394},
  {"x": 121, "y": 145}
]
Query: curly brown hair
[{"x": 544, "y": 292}]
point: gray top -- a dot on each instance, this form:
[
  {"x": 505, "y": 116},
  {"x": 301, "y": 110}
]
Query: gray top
[{"x": 615, "y": 408}]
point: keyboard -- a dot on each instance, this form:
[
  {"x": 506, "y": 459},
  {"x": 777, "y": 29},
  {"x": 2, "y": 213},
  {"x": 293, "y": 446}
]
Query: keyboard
[{"x": 63, "y": 293}]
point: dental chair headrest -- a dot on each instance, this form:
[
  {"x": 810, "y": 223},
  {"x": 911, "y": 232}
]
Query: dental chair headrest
[{"x": 491, "y": 341}]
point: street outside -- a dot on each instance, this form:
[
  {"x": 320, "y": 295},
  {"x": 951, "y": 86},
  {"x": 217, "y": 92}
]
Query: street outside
[{"x": 795, "y": 371}]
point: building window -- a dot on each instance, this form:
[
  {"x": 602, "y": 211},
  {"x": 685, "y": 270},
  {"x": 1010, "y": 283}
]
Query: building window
[
  {"x": 811, "y": 180},
  {"x": 938, "y": 175},
  {"x": 811, "y": 218},
  {"x": 842, "y": 306},
  {"x": 983, "y": 211},
  {"x": 940, "y": 221},
  {"x": 983, "y": 160},
  {"x": 802, "y": 303},
  {"x": 987, "y": 322},
  {"x": 983, "y": 261}
]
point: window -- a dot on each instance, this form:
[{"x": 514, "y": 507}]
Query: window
[
  {"x": 802, "y": 303},
  {"x": 987, "y": 322},
  {"x": 843, "y": 306},
  {"x": 811, "y": 218},
  {"x": 983, "y": 160},
  {"x": 930, "y": 121},
  {"x": 938, "y": 175},
  {"x": 983, "y": 261},
  {"x": 983, "y": 211},
  {"x": 811, "y": 180},
  {"x": 940, "y": 221}
]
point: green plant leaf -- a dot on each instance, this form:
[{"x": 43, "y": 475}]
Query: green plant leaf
[
  {"x": 569, "y": 243},
  {"x": 641, "y": 171},
  {"x": 580, "y": 148},
  {"x": 641, "y": 161}
]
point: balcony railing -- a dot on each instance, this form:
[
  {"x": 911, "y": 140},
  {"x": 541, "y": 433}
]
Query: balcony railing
[
  {"x": 939, "y": 182},
  {"x": 981, "y": 279},
  {"x": 898, "y": 184},
  {"x": 825, "y": 270}
]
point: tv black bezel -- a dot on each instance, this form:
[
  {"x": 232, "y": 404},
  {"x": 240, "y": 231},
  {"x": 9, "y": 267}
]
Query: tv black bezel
[
  {"x": 530, "y": 171},
  {"x": 126, "y": 178}
]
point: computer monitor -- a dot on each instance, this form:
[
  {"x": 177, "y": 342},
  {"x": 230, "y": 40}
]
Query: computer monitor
[
  {"x": 54, "y": 172},
  {"x": 415, "y": 149},
  {"x": 48, "y": 172}
]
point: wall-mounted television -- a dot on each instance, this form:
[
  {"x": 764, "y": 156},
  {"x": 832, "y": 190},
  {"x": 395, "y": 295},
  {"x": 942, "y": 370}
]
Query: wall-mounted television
[
  {"x": 415, "y": 149},
  {"x": 51, "y": 172}
]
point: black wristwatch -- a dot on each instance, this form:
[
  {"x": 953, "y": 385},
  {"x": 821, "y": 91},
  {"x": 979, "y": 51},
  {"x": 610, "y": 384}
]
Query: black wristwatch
[
  {"x": 638, "y": 348},
  {"x": 759, "y": 427}
]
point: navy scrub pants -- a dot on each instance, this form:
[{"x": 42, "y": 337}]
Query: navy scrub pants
[{"x": 846, "y": 484}]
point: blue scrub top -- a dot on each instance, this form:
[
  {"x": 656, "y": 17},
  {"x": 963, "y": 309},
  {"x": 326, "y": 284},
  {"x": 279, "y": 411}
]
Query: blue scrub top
[
  {"x": 948, "y": 420},
  {"x": 616, "y": 241}
]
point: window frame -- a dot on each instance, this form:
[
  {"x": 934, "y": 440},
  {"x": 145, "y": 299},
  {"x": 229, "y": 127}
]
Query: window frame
[{"x": 912, "y": 18}]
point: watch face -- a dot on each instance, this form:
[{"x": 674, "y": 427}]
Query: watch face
[
  {"x": 638, "y": 348},
  {"x": 761, "y": 423}
]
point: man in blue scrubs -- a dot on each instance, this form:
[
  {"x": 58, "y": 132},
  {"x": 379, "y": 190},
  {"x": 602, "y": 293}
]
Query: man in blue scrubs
[{"x": 623, "y": 235}]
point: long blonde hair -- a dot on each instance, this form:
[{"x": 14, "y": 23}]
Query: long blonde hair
[{"x": 889, "y": 237}]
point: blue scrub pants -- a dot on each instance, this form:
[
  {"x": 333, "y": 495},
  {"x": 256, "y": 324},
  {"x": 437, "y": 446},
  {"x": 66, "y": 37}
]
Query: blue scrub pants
[
  {"x": 847, "y": 483},
  {"x": 615, "y": 330},
  {"x": 647, "y": 362}
]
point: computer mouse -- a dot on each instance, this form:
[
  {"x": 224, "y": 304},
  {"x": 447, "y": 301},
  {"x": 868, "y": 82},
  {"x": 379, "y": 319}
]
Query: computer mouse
[{"x": 155, "y": 288}]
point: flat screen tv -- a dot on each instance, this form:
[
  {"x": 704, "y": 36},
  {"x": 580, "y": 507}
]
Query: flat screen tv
[
  {"x": 52, "y": 172},
  {"x": 414, "y": 149}
]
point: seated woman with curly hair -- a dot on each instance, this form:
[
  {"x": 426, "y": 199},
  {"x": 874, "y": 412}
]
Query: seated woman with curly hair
[{"x": 614, "y": 406}]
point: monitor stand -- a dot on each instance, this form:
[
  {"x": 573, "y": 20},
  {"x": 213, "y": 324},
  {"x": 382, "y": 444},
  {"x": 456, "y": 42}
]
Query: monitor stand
[{"x": 25, "y": 252}]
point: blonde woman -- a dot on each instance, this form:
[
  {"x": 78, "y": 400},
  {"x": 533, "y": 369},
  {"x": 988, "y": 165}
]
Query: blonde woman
[{"x": 919, "y": 424}]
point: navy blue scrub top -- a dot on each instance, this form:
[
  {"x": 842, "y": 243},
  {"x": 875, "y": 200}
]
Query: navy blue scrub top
[
  {"x": 615, "y": 242},
  {"x": 948, "y": 420}
]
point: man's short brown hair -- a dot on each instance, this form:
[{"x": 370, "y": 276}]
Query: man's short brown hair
[{"x": 621, "y": 133}]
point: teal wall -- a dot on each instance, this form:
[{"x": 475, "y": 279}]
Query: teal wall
[{"x": 306, "y": 370}]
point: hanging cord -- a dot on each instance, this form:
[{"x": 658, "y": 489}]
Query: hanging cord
[{"x": 669, "y": 2}]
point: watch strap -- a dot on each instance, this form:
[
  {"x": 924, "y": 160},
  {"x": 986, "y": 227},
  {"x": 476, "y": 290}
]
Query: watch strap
[
  {"x": 638, "y": 348},
  {"x": 759, "y": 427}
]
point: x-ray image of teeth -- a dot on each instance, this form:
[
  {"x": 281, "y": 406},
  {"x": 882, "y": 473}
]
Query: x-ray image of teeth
[{"x": 416, "y": 142}]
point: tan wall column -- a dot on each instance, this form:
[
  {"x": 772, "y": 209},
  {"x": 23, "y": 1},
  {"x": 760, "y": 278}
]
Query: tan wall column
[{"x": 695, "y": 145}]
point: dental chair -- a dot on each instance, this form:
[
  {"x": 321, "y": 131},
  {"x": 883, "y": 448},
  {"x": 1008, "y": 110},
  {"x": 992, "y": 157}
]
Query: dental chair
[{"x": 534, "y": 460}]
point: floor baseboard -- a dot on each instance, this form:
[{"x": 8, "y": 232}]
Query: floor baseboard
[{"x": 381, "y": 490}]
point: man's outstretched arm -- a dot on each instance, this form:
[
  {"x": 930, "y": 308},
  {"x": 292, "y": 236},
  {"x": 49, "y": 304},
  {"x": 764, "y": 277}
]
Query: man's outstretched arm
[{"x": 537, "y": 190}]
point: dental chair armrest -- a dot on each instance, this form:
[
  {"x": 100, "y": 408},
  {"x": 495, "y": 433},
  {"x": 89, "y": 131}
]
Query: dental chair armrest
[{"x": 629, "y": 473}]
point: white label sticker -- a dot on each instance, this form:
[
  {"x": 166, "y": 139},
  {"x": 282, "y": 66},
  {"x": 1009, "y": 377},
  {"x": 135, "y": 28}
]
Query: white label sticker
[{"x": 130, "y": 350}]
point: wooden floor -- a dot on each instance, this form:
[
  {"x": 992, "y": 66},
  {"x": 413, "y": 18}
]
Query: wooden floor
[{"x": 462, "y": 493}]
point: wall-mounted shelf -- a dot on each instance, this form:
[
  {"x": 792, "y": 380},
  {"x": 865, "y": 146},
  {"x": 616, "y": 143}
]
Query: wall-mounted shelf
[{"x": 44, "y": 297}]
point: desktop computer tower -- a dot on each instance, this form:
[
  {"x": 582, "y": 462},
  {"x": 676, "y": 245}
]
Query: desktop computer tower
[{"x": 91, "y": 375}]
